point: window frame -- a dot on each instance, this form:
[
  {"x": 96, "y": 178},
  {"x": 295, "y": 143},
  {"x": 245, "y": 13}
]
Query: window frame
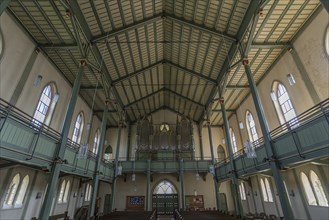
[
  {"x": 20, "y": 197},
  {"x": 266, "y": 190},
  {"x": 242, "y": 189},
  {"x": 10, "y": 198},
  {"x": 325, "y": 42},
  {"x": 96, "y": 141},
  {"x": 250, "y": 130},
  {"x": 233, "y": 139},
  {"x": 318, "y": 194},
  {"x": 76, "y": 137}
]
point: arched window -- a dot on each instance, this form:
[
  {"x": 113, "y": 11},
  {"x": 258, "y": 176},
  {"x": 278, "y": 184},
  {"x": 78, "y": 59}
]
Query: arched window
[
  {"x": 286, "y": 108},
  {"x": 96, "y": 142},
  {"x": 66, "y": 192},
  {"x": 22, "y": 191},
  {"x": 252, "y": 132},
  {"x": 165, "y": 187},
  {"x": 11, "y": 192},
  {"x": 308, "y": 189},
  {"x": 108, "y": 154},
  {"x": 266, "y": 190},
  {"x": 46, "y": 105},
  {"x": 220, "y": 153},
  {"x": 242, "y": 191},
  {"x": 61, "y": 192},
  {"x": 234, "y": 145},
  {"x": 319, "y": 192},
  {"x": 78, "y": 127},
  {"x": 88, "y": 192}
]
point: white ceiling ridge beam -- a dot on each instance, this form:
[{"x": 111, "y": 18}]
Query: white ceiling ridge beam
[
  {"x": 203, "y": 28},
  {"x": 104, "y": 37}
]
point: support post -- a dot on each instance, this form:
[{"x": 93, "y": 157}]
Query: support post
[
  {"x": 274, "y": 163},
  {"x": 148, "y": 186},
  {"x": 129, "y": 143},
  {"x": 213, "y": 163},
  {"x": 235, "y": 191},
  {"x": 116, "y": 163},
  {"x": 181, "y": 180},
  {"x": 56, "y": 165},
  {"x": 3, "y": 5},
  {"x": 325, "y": 4},
  {"x": 91, "y": 209},
  {"x": 200, "y": 139},
  {"x": 211, "y": 145}
]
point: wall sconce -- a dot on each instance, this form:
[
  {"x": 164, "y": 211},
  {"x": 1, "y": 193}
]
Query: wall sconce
[
  {"x": 273, "y": 96},
  {"x": 223, "y": 141},
  {"x": 248, "y": 193},
  {"x": 37, "y": 80},
  {"x": 291, "y": 79},
  {"x": 195, "y": 192},
  {"x": 255, "y": 193},
  {"x": 292, "y": 193},
  {"x": 133, "y": 177},
  {"x": 241, "y": 125},
  {"x": 75, "y": 195},
  {"x": 38, "y": 196},
  {"x": 82, "y": 194}
]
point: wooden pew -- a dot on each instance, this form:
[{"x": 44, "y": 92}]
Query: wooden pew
[{"x": 57, "y": 216}]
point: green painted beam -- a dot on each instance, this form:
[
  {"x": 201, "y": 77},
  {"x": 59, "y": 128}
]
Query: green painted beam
[
  {"x": 325, "y": 4},
  {"x": 3, "y": 5},
  {"x": 251, "y": 11},
  {"x": 113, "y": 33},
  {"x": 75, "y": 8},
  {"x": 191, "y": 72},
  {"x": 200, "y": 27},
  {"x": 138, "y": 72}
]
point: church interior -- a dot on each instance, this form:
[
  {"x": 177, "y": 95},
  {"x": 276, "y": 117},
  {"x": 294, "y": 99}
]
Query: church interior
[{"x": 164, "y": 109}]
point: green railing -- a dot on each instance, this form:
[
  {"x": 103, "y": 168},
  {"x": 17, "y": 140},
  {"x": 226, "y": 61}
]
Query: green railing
[
  {"x": 26, "y": 141},
  {"x": 303, "y": 138}
]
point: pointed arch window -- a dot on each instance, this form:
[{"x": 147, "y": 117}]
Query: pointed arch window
[
  {"x": 64, "y": 191},
  {"x": 234, "y": 144},
  {"x": 220, "y": 153},
  {"x": 308, "y": 189},
  {"x": 88, "y": 192},
  {"x": 46, "y": 105},
  {"x": 252, "y": 132},
  {"x": 22, "y": 191},
  {"x": 242, "y": 191},
  {"x": 266, "y": 190},
  {"x": 165, "y": 187},
  {"x": 286, "y": 106},
  {"x": 11, "y": 192},
  {"x": 313, "y": 189},
  {"x": 78, "y": 128},
  {"x": 96, "y": 142},
  {"x": 108, "y": 154}
]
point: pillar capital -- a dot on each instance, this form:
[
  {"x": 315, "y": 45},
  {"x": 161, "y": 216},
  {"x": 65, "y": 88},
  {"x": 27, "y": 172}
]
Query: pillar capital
[
  {"x": 83, "y": 62},
  {"x": 245, "y": 61}
]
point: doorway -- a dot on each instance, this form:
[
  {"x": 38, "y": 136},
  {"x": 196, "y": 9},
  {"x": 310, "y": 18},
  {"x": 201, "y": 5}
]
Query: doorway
[{"x": 165, "y": 198}]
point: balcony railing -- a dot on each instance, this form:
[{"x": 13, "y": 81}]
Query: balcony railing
[
  {"x": 27, "y": 142},
  {"x": 301, "y": 139}
]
